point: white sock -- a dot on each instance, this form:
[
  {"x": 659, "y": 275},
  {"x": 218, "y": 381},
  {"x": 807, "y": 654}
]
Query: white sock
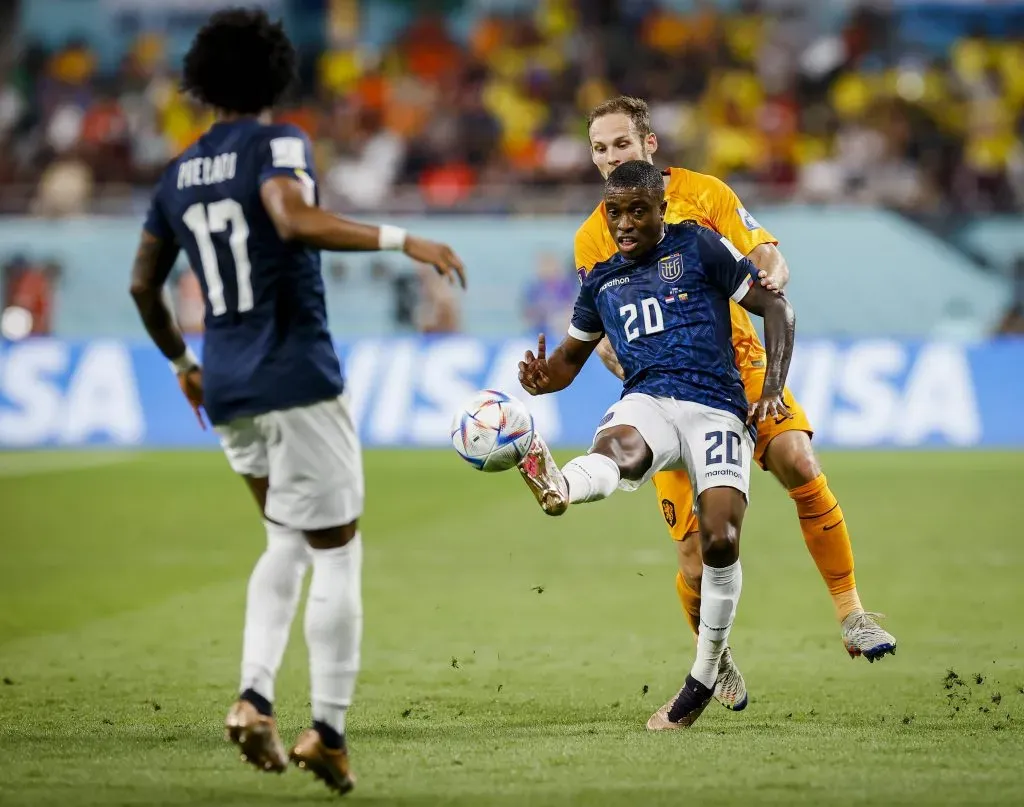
[
  {"x": 271, "y": 602},
  {"x": 334, "y": 627},
  {"x": 719, "y": 596},
  {"x": 591, "y": 478}
]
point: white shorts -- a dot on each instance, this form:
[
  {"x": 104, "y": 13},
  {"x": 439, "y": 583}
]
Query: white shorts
[
  {"x": 712, "y": 445},
  {"x": 312, "y": 458}
]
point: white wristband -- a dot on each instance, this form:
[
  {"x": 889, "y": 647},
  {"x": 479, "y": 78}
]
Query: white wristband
[
  {"x": 391, "y": 238},
  {"x": 185, "y": 362}
]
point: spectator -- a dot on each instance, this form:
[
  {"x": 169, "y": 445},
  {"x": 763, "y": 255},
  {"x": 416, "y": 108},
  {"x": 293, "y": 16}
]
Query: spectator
[
  {"x": 463, "y": 107},
  {"x": 549, "y": 298}
]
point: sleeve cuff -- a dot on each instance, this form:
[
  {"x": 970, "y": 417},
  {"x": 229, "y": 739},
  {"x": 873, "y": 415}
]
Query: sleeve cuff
[
  {"x": 742, "y": 290},
  {"x": 584, "y": 336}
]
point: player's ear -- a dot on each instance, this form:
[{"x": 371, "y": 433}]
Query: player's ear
[
  {"x": 663, "y": 207},
  {"x": 651, "y": 143}
]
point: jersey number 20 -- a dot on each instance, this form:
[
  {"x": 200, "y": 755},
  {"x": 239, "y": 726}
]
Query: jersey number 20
[
  {"x": 653, "y": 320},
  {"x": 204, "y": 221}
]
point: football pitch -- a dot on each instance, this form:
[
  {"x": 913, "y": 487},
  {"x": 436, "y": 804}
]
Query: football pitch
[{"x": 510, "y": 658}]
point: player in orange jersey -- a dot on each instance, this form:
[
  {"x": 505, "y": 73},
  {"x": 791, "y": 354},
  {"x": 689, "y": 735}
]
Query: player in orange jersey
[{"x": 620, "y": 131}]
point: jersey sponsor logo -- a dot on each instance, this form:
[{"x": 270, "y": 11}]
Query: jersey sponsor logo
[
  {"x": 668, "y": 510},
  {"x": 724, "y": 472},
  {"x": 748, "y": 221},
  {"x": 606, "y": 419},
  {"x": 670, "y": 268},
  {"x": 288, "y": 152},
  {"x": 615, "y": 281}
]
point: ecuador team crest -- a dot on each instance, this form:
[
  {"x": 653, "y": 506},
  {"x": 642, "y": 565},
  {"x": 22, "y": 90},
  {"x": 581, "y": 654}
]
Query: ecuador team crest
[{"x": 670, "y": 268}]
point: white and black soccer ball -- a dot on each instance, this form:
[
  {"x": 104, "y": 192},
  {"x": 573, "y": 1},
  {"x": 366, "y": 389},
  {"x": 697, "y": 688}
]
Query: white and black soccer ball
[{"x": 492, "y": 431}]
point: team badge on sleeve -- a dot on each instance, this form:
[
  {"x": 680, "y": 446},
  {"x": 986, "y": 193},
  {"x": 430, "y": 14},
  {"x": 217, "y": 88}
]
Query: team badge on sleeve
[
  {"x": 748, "y": 221},
  {"x": 670, "y": 268}
]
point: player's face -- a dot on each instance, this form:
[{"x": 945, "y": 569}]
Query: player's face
[
  {"x": 614, "y": 140},
  {"x": 636, "y": 219}
]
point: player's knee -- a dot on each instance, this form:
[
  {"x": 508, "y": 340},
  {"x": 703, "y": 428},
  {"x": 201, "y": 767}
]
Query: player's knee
[
  {"x": 627, "y": 449},
  {"x": 792, "y": 461},
  {"x": 720, "y": 543},
  {"x": 803, "y": 468}
]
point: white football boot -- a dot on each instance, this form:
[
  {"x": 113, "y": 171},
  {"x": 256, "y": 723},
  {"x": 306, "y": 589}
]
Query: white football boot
[
  {"x": 544, "y": 478},
  {"x": 863, "y": 636},
  {"x": 730, "y": 688}
]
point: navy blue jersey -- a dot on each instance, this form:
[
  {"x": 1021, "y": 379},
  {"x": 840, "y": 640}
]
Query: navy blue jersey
[
  {"x": 266, "y": 346},
  {"x": 667, "y": 317}
]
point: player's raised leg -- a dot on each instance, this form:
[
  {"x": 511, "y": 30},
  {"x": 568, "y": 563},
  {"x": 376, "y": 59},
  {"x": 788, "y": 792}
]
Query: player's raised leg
[
  {"x": 791, "y": 459},
  {"x": 618, "y": 453},
  {"x": 636, "y": 438},
  {"x": 543, "y": 477},
  {"x": 595, "y": 475}
]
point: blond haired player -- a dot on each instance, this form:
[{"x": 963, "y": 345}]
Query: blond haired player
[{"x": 620, "y": 131}]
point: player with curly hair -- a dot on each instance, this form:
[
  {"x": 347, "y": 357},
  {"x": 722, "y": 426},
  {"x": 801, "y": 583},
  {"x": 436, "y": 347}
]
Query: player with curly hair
[{"x": 242, "y": 203}]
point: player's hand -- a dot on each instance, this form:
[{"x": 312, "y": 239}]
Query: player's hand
[
  {"x": 191, "y": 383},
  {"x": 440, "y": 256},
  {"x": 769, "y": 406},
  {"x": 772, "y": 280},
  {"x": 533, "y": 370}
]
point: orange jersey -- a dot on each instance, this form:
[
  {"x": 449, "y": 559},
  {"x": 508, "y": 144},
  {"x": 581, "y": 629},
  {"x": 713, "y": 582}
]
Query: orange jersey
[{"x": 711, "y": 203}]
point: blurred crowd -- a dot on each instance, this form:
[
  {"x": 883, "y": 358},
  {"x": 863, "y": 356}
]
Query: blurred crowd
[{"x": 770, "y": 102}]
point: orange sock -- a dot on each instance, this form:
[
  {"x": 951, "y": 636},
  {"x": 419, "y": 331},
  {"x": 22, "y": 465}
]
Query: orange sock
[
  {"x": 828, "y": 541},
  {"x": 690, "y": 600}
]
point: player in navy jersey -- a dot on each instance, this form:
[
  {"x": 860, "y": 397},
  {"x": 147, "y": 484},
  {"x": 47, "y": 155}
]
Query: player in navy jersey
[
  {"x": 242, "y": 204},
  {"x": 663, "y": 302}
]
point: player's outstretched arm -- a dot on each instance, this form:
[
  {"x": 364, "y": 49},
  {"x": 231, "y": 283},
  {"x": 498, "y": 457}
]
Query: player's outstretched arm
[
  {"x": 539, "y": 375},
  {"x": 779, "y": 330},
  {"x": 296, "y": 219}
]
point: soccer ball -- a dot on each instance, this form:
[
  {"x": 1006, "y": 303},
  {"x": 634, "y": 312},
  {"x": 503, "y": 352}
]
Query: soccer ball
[{"x": 492, "y": 431}]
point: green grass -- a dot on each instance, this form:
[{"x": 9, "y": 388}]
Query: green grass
[{"x": 121, "y": 595}]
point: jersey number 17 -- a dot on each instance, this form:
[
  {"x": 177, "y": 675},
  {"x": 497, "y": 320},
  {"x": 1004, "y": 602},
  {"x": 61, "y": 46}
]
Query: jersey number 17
[{"x": 204, "y": 221}]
